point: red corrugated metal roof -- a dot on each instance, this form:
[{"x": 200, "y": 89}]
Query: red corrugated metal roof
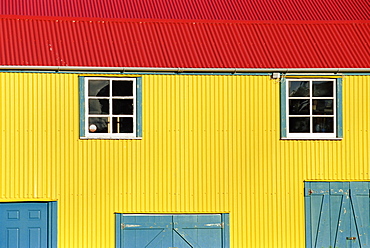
[
  {"x": 193, "y": 9},
  {"x": 202, "y": 44}
]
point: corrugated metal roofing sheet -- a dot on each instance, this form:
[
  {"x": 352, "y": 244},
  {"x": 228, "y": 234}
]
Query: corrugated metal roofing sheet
[
  {"x": 187, "y": 44},
  {"x": 194, "y": 9}
]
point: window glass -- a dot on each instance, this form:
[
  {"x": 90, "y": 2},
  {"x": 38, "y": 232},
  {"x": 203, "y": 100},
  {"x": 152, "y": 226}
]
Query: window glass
[
  {"x": 98, "y": 125},
  {"x": 322, "y": 107},
  {"x": 323, "y": 124},
  {"x": 123, "y": 106},
  {"x": 299, "y": 107},
  {"x": 299, "y": 125},
  {"x": 98, "y": 88},
  {"x": 299, "y": 89},
  {"x": 125, "y": 125},
  {"x": 322, "y": 88},
  {"x": 122, "y": 88},
  {"x": 99, "y": 106}
]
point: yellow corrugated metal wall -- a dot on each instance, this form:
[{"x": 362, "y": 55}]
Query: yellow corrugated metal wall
[{"x": 210, "y": 145}]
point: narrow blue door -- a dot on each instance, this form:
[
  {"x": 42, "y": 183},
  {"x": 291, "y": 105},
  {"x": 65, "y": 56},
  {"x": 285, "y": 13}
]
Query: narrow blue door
[
  {"x": 181, "y": 231},
  {"x": 337, "y": 214},
  {"x": 24, "y": 225},
  {"x": 360, "y": 219}
]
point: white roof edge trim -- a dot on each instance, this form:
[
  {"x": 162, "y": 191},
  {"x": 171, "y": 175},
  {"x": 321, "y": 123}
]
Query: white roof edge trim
[{"x": 186, "y": 70}]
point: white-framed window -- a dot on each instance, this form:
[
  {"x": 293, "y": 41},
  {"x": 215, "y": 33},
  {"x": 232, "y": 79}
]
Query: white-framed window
[
  {"x": 311, "y": 108},
  {"x": 110, "y": 107}
]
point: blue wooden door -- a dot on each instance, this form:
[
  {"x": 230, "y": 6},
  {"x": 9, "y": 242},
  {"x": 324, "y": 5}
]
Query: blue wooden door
[
  {"x": 337, "y": 214},
  {"x": 24, "y": 225},
  {"x": 181, "y": 231}
]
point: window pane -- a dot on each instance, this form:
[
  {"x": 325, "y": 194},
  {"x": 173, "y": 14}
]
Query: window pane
[
  {"x": 122, "y": 88},
  {"x": 299, "y": 89},
  {"x": 322, "y": 107},
  {"x": 323, "y": 125},
  {"x": 322, "y": 88},
  {"x": 126, "y": 125},
  {"x": 299, "y": 124},
  {"x": 98, "y": 88},
  {"x": 299, "y": 107},
  {"x": 98, "y": 125},
  {"x": 114, "y": 125},
  {"x": 123, "y": 107},
  {"x": 99, "y": 106}
]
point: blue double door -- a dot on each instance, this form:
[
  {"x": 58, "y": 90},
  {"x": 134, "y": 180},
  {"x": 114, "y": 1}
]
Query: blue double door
[
  {"x": 337, "y": 214},
  {"x": 27, "y": 225},
  {"x": 164, "y": 231}
]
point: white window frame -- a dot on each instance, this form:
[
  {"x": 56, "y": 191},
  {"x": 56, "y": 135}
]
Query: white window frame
[
  {"x": 311, "y": 135},
  {"x": 109, "y": 135}
]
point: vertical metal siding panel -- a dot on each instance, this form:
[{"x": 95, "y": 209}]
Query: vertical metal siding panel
[
  {"x": 257, "y": 187},
  {"x": 358, "y": 144},
  {"x": 244, "y": 152},
  {"x": 365, "y": 122},
  {"x": 4, "y": 137},
  {"x": 166, "y": 154},
  {"x": 209, "y": 156},
  {"x": 154, "y": 165},
  {"x": 46, "y": 175},
  {"x": 214, "y": 167},
  {"x": 194, "y": 134},
  {"x": 17, "y": 138}
]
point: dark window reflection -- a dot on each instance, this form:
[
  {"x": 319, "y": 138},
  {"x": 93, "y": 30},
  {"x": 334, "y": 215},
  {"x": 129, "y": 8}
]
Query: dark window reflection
[
  {"x": 299, "y": 124},
  {"x": 299, "y": 89},
  {"x": 123, "y": 107},
  {"x": 122, "y": 125},
  {"x": 299, "y": 107},
  {"x": 98, "y": 125},
  {"x": 323, "y": 125},
  {"x": 114, "y": 124},
  {"x": 322, "y": 88},
  {"x": 122, "y": 88},
  {"x": 126, "y": 125},
  {"x": 322, "y": 107},
  {"x": 99, "y": 106},
  {"x": 98, "y": 88}
]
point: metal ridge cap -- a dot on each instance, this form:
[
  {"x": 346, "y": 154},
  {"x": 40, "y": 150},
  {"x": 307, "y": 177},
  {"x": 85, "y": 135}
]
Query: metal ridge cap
[{"x": 180, "y": 70}]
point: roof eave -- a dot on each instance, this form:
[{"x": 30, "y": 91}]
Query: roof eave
[{"x": 181, "y": 70}]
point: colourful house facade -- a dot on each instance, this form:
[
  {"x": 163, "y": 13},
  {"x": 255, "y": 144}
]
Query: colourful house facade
[{"x": 122, "y": 132}]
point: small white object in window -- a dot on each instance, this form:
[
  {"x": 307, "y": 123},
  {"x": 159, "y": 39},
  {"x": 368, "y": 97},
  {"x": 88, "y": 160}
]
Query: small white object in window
[{"x": 92, "y": 128}]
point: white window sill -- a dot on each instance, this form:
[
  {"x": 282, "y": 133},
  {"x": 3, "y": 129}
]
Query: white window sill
[
  {"x": 313, "y": 138},
  {"x": 111, "y": 138}
]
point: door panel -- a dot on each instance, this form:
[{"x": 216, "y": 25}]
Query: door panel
[
  {"x": 23, "y": 225},
  {"x": 337, "y": 214},
  {"x": 197, "y": 231},
  {"x": 361, "y": 213},
  {"x": 28, "y": 224},
  {"x": 146, "y": 231}
]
